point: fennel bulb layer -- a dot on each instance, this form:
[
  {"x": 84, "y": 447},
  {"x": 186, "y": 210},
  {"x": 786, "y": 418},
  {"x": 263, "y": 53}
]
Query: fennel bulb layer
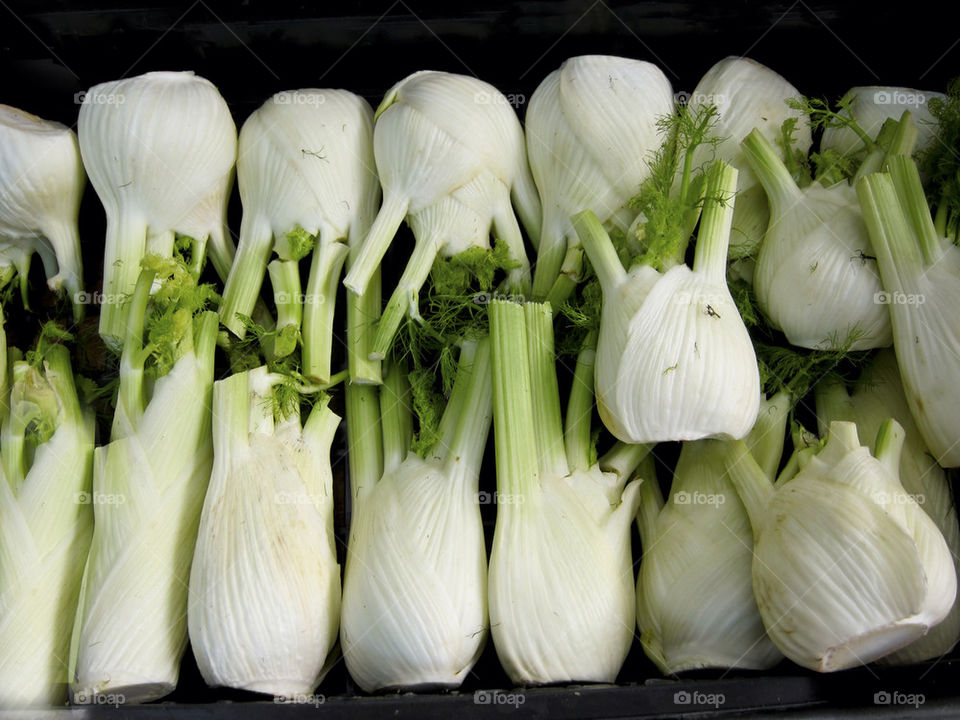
[
  {"x": 157, "y": 177},
  {"x": 847, "y": 567},
  {"x": 561, "y": 578},
  {"x": 415, "y": 587},
  {"x": 264, "y": 601},
  {"x": 46, "y": 522},
  {"x": 41, "y": 184}
]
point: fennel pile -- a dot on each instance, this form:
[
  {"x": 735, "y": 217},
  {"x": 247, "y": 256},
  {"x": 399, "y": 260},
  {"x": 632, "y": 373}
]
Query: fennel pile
[{"x": 627, "y": 276}]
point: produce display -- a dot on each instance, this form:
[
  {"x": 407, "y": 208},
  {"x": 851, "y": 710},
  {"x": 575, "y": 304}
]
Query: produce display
[{"x": 728, "y": 317}]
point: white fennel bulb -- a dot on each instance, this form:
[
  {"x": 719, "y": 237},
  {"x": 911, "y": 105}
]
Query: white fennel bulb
[
  {"x": 695, "y": 603},
  {"x": 46, "y": 521},
  {"x": 847, "y": 567},
  {"x": 414, "y": 610},
  {"x": 308, "y": 182},
  {"x": 674, "y": 359},
  {"x": 921, "y": 284},
  {"x": 870, "y": 106},
  {"x": 592, "y": 129},
  {"x": 264, "y": 602},
  {"x": 131, "y": 629},
  {"x": 435, "y": 134},
  {"x": 158, "y": 176},
  {"x": 816, "y": 278},
  {"x": 561, "y": 571},
  {"x": 748, "y": 96},
  {"x": 41, "y": 183},
  {"x": 879, "y": 395}
]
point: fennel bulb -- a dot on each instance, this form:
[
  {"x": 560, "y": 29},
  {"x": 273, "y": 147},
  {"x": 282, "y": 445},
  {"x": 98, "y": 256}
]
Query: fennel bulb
[
  {"x": 921, "y": 284},
  {"x": 695, "y": 603},
  {"x": 748, "y": 96},
  {"x": 449, "y": 146},
  {"x": 131, "y": 628},
  {"x": 41, "y": 183},
  {"x": 674, "y": 360},
  {"x": 870, "y": 106},
  {"x": 879, "y": 395},
  {"x": 46, "y": 521},
  {"x": 561, "y": 577},
  {"x": 158, "y": 177},
  {"x": 592, "y": 127},
  {"x": 816, "y": 278},
  {"x": 264, "y": 600},
  {"x": 847, "y": 567},
  {"x": 307, "y": 180},
  {"x": 414, "y": 612}
]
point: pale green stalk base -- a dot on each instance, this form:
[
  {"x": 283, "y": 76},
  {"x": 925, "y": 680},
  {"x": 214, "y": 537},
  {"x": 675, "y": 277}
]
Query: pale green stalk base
[
  {"x": 285, "y": 278},
  {"x": 126, "y": 243},
  {"x": 375, "y": 245},
  {"x": 246, "y": 274},
  {"x": 404, "y": 297},
  {"x": 328, "y": 258}
]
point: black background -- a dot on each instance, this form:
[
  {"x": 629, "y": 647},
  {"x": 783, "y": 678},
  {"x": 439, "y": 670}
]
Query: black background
[{"x": 50, "y": 50}]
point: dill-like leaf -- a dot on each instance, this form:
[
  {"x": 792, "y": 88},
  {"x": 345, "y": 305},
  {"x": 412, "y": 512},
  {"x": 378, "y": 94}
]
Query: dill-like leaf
[
  {"x": 670, "y": 199},
  {"x": 941, "y": 161}
]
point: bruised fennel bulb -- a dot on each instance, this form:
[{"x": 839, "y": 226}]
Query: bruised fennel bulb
[
  {"x": 449, "y": 146},
  {"x": 561, "y": 579},
  {"x": 878, "y": 396},
  {"x": 308, "y": 183},
  {"x": 415, "y": 587},
  {"x": 158, "y": 177},
  {"x": 921, "y": 281},
  {"x": 41, "y": 183},
  {"x": 695, "y": 604},
  {"x": 847, "y": 567},
  {"x": 591, "y": 129},
  {"x": 816, "y": 278},
  {"x": 265, "y": 584},
  {"x": 674, "y": 360}
]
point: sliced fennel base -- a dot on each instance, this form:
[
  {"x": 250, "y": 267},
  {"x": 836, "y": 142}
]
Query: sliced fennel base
[
  {"x": 687, "y": 659},
  {"x": 131, "y": 689},
  {"x": 426, "y": 684},
  {"x": 279, "y": 687},
  {"x": 870, "y": 646}
]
